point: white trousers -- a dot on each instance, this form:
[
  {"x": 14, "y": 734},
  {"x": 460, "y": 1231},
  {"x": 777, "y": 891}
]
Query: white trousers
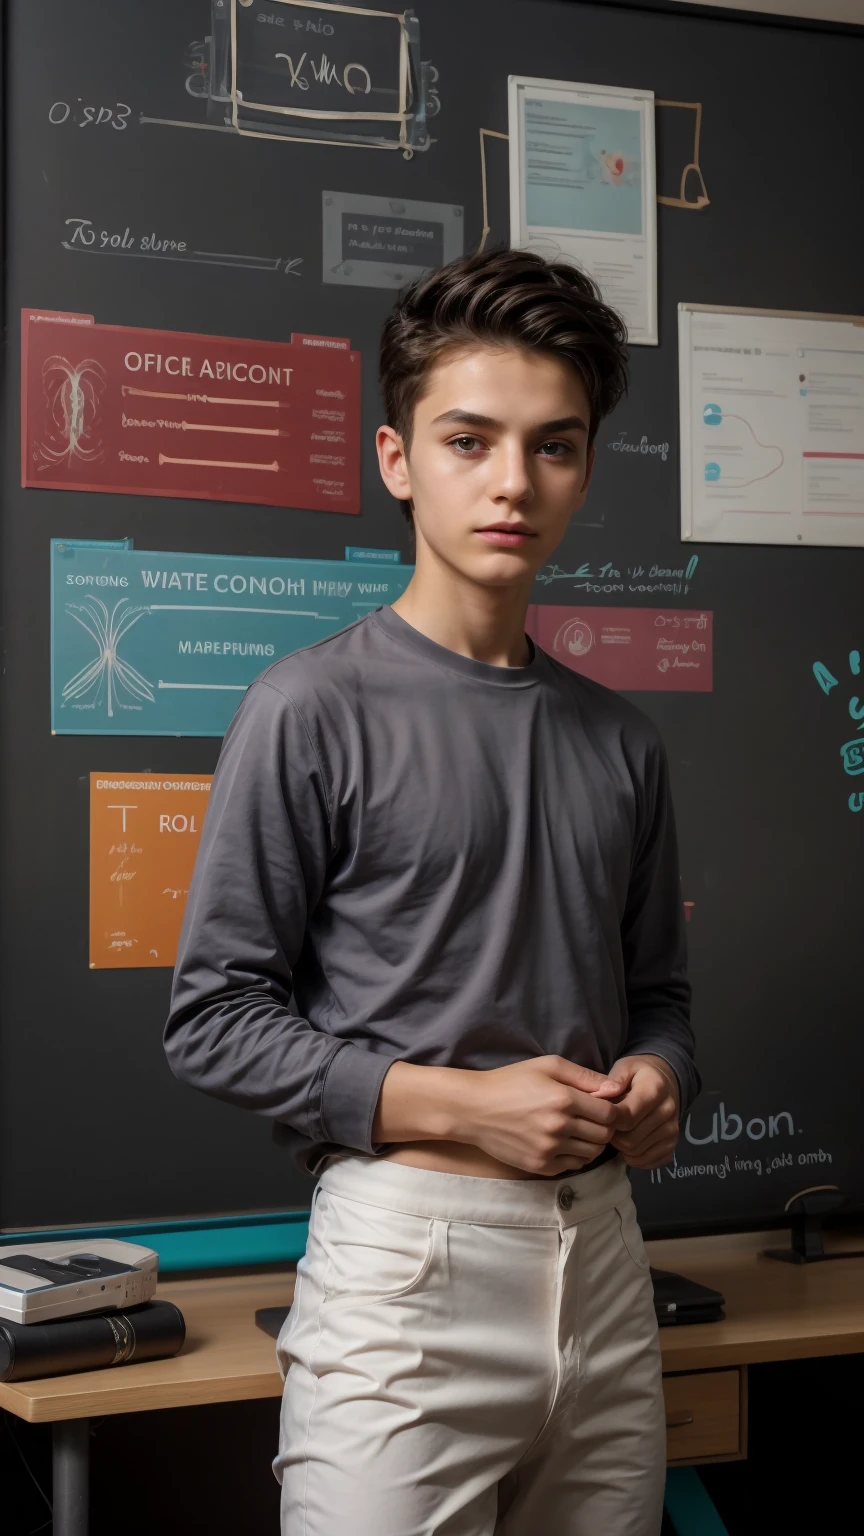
[{"x": 471, "y": 1355}]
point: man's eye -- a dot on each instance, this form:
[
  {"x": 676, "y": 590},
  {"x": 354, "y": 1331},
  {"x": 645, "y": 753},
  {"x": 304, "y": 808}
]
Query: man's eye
[
  {"x": 464, "y": 443},
  {"x": 558, "y": 450}
]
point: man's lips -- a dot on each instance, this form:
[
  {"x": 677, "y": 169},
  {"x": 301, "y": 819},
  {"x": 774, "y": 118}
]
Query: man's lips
[{"x": 506, "y": 534}]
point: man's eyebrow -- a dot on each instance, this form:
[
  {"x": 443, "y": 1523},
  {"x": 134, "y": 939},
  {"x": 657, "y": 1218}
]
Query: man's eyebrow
[
  {"x": 473, "y": 419},
  {"x": 468, "y": 419},
  {"x": 563, "y": 423}
]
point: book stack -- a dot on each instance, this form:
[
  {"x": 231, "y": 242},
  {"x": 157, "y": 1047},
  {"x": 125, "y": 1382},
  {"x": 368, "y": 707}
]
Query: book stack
[{"x": 64, "y": 1308}]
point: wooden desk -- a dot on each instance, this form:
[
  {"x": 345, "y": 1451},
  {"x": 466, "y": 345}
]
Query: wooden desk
[{"x": 773, "y": 1312}]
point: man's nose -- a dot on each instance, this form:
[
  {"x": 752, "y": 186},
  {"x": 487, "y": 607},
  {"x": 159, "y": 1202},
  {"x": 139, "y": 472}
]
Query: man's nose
[{"x": 511, "y": 475}]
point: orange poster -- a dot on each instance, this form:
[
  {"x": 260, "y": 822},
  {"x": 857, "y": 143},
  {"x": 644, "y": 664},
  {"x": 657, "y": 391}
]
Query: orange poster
[{"x": 144, "y": 835}]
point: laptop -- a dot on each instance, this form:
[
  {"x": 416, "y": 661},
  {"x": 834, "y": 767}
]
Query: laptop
[{"x": 678, "y": 1300}]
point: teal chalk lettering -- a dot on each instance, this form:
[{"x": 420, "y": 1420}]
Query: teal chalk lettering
[
  {"x": 852, "y": 753},
  {"x": 824, "y": 678}
]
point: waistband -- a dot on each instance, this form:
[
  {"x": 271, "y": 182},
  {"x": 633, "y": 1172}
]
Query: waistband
[{"x": 490, "y": 1202}]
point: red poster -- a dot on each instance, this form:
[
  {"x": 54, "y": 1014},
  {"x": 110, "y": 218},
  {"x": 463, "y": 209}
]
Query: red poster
[
  {"x": 661, "y": 650},
  {"x": 170, "y": 413}
]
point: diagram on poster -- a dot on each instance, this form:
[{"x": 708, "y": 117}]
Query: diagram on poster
[
  {"x": 582, "y": 187},
  {"x": 144, "y": 835},
  {"x": 152, "y": 644},
  {"x": 385, "y": 242},
  {"x": 171, "y": 413},
  {"x": 306, "y": 72},
  {"x": 772, "y": 426},
  {"x": 652, "y": 650}
]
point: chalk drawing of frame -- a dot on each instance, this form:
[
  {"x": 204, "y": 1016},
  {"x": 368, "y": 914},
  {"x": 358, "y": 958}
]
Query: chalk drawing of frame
[
  {"x": 682, "y": 200},
  {"x": 405, "y": 20}
]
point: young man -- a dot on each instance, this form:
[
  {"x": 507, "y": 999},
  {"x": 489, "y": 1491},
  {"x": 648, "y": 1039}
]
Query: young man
[{"x": 460, "y": 857}]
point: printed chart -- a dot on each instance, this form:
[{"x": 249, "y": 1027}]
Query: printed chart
[
  {"x": 772, "y": 427},
  {"x": 582, "y": 187},
  {"x": 659, "y": 650},
  {"x": 144, "y": 835},
  {"x": 171, "y": 413},
  {"x": 153, "y": 644}
]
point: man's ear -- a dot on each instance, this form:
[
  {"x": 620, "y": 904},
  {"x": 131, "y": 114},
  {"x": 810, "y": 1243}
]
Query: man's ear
[{"x": 393, "y": 463}]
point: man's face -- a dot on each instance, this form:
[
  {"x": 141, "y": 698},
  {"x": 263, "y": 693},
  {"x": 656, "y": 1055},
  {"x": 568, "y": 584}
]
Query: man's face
[{"x": 500, "y": 438}]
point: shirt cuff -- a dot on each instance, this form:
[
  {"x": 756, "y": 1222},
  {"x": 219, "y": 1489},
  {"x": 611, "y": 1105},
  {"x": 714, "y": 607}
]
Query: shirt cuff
[{"x": 349, "y": 1098}]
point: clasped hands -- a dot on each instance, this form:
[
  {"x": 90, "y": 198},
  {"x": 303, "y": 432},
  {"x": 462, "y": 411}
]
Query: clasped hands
[
  {"x": 544, "y": 1115},
  {"x": 644, "y": 1092}
]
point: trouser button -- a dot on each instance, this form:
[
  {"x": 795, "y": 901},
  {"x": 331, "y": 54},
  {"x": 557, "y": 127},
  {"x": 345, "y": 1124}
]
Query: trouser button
[{"x": 565, "y": 1197}]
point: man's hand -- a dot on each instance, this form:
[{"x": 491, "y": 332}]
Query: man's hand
[
  {"x": 543, "y": 1115},
  {"x": 645, "y": 1090}
]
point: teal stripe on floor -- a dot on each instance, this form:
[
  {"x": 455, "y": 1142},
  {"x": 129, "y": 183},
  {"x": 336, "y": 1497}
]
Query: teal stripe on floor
[{"x": 688, "y": 1505}]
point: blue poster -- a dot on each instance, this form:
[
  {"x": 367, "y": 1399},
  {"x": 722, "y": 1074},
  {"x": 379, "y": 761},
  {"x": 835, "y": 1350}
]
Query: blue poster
[
  {"x": 583, "y": 167},
  {"x": 145, "y": 643}
]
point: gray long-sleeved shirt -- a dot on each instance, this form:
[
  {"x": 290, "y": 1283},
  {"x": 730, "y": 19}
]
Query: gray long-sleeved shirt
[{"x": 445, "y": 862}]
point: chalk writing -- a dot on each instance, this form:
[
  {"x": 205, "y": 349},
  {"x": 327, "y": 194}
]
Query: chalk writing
[
  {"x": 606, "y": 578},
  {"x": 727, "y": 1167},
  {"x": 729, "y": 1127},
  {"x": 851, "y": 752},
  {"x": 324, "y": 27},
  {"x": 621, "y": 445},
  {"x": 308, "y": 26},
  {"x": 83, "y": 235},
  {"x": 326, "y": 73},
  {"x": 81, "y": 116}
]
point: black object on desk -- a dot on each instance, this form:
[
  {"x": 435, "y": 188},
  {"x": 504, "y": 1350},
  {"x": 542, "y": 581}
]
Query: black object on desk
[
  {"x": 270, "y": 1319},
  {"x": 153, "y": 1331},
  {"x": 678, "y": 1301},
  {"x": 806, "y": 1210}
]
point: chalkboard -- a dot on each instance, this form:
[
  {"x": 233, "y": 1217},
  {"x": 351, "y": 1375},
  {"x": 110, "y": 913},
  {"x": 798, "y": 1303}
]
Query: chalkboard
[{"x": 121, "y": 124}]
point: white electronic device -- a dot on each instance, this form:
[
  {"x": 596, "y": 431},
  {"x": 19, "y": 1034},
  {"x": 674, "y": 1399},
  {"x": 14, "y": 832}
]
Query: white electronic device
[{"x": 43, "y": 1281}]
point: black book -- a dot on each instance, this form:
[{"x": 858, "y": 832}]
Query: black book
[
  {"x": 678, "y": 1300},
  {"x": 153, "y": 1331}
]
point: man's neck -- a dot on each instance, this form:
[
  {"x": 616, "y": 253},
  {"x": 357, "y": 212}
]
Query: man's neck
[{"x": 483, "y": 623}]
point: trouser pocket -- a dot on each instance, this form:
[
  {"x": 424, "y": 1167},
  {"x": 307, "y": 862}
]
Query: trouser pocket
[
  {"x": 373, "y": 1255},
  {"x": 631, "y": 1233}
]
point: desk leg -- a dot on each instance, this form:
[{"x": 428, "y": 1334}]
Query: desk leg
[{"x": 71, "y": 1457}]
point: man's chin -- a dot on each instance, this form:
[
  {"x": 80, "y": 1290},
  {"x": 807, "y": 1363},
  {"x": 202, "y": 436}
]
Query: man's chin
[{"x": 502, "y": 567}]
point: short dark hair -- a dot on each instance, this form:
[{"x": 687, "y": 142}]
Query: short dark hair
[{"x": 509, "y": 298}]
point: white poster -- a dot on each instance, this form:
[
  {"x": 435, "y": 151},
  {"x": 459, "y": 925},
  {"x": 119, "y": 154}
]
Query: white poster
[
  {"x": 772, "y": 426},
  {"x": 582, "y": 186}
]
